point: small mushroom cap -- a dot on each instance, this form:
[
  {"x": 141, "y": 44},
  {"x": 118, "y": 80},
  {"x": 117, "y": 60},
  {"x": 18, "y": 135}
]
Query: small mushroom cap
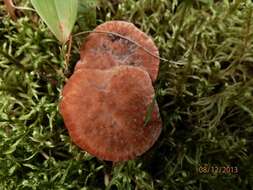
[
  {"x": 104, "y": 112},
  {"x": 103, "y": 51}
]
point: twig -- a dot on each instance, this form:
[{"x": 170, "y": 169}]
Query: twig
[
  {"x": 25, "y": 8},
  {"x": 69, "y": 49},
  {"x": 10, "y": 8},
  {"x": 123, "y": 37}
]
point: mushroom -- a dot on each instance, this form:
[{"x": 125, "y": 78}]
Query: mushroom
[
  {"x": 104, "y": 49},
  {"x": 104, "y": 112}
]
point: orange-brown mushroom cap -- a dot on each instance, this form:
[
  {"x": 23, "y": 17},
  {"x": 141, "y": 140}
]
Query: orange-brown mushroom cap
[
  {"x": 105, "y": 50},
  {"x": 104, "y": 112}
]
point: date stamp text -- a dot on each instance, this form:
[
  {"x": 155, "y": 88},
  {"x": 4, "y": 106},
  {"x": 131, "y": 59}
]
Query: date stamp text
[{"x": 213, "y": 169}]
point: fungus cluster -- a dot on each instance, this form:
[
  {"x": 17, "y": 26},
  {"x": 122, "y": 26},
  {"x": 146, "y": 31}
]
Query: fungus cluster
[{"x": 105, "y": 101}]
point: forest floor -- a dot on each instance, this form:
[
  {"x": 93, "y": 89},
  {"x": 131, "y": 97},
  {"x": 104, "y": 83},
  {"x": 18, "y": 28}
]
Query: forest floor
[{"x": 204, "y": 92}]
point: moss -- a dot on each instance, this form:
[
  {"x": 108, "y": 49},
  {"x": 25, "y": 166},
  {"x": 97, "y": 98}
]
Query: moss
[{"x": 204, "y": 93}]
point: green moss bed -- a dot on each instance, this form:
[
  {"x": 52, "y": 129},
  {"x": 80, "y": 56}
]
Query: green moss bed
[{"x": 204, "y": 91}]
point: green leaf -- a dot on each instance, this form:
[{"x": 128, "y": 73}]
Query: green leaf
[
  {"x": 60, "y": 16},
  {"x": 149, "y": 111}
]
